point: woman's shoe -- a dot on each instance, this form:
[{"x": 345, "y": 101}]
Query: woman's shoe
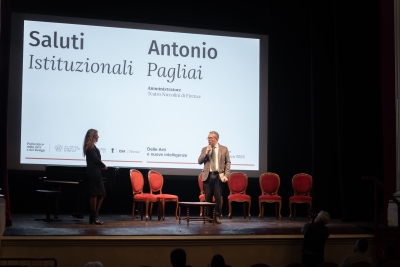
[{"x": 97, "y": 221}]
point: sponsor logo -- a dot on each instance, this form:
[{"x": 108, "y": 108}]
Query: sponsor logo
[{"x": 58, "y": 148}]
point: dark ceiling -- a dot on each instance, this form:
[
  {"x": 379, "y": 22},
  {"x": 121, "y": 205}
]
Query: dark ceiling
[{"x": 241, "y": 16}]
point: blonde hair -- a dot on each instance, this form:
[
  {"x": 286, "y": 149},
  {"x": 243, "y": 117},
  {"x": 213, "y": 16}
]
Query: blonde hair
[{"x": 88, "y": 142}]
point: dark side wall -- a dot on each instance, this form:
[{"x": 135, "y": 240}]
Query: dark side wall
[{"x": 324, "y": 104}]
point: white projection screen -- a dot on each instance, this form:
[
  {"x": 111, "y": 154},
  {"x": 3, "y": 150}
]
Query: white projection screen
[{"x": 153, "y": 92}]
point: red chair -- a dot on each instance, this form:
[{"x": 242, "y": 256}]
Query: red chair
[
  {"x": 156, "y": 182},
  {"x": 393, "y": 263},
  {"x": 137, "y": 182},
  {"x": 328, "y": 264},
  {"x": 269, "y": 184},
  {"x": 302, "y": 184},
  {"x": 295, "y": 264},
  {"x": 361, "y": 264},
  {"x": 237, "y": 184}
]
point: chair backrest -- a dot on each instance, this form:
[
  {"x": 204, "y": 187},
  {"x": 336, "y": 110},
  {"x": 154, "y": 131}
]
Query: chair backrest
[
  {"x": 295, "y": 264},
  {"x": 156, "y": 181},
  {"x": 302, "y": 184},
  {"x": 269, "y": 183},
  {"x": 361, "y": 264},
  {"x": 200, "y": 181},
  {"x": 328, "y": 264},
  {"x": 237, "y": 183},
  {"x": 137, "y": 181},
  {"x": 393, "y": 263}
]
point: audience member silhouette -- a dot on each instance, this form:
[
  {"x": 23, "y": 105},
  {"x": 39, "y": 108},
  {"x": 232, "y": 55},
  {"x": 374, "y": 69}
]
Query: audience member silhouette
[
  {"x": 178, "y": 257},
  {"x": 360, "y": 248},
  {"x": 389, "y": 254},
  {"x": 94, "y": 264},
  {"x": 217, "y": 261},
  {"x": 315, "y": 235}
]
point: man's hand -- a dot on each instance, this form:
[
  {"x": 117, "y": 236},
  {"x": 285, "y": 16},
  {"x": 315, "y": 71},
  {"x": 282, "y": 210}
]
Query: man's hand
[
  {"x": 208, "y": 149},
  {"x": 223, "y": 178}
]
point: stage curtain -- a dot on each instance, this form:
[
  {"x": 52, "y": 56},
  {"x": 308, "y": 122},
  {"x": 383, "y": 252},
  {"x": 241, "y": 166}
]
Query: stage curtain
[{"x": 4, "y": 63}]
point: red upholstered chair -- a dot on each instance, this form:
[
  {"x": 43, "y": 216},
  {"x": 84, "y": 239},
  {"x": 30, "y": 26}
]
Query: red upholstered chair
[
  {"x": 328, "y": 264},
  {"x": 393, "y": 263},
  {"x": 137, "y": 183},
  {"x": 302, "y": 184},
  {"x": 269, "y": 184},
  {"x": 156, "y": 182},
  {"x": 361, "y": 264},
  {"x": 237, "y": 184}
]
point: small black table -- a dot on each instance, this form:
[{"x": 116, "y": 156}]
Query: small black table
[
  {"x": 51, "y": 194},
  {"x": 196, "y": 204}
]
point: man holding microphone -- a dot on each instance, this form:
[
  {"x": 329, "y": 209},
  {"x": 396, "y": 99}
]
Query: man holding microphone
[{"x": 217, "y": 165}]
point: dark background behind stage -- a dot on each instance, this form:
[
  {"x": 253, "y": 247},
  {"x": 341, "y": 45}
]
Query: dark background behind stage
[{"x": 324, "y": 104}]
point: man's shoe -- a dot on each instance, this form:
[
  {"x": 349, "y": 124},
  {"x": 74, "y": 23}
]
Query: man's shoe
[
  {"x": 218, "y": 220},
  {"x": 208, "y": 219}
]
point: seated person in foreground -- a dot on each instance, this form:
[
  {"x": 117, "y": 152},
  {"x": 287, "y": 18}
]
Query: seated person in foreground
[
  {"x": 217, "y": 261},
  {"x": 360, "y": 248},
  {"x": 315, "y": 236},
  {"x": 178, "y": 257},
  {"x": 389, "y": 254}
]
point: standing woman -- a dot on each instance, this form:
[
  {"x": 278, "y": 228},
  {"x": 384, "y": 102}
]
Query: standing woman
[{"x": 94, "y": 166}]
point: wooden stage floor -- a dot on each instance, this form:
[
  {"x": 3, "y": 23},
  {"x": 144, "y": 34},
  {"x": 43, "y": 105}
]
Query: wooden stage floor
[{"x": 122, "y": 225}]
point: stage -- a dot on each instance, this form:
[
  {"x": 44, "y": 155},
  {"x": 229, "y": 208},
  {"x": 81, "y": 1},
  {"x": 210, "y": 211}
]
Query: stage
[{"x": 123, "y": 242}]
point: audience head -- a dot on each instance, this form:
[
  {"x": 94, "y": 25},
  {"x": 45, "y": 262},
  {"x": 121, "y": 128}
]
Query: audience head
[
  {"x": 217, "y": 261},
  {"x": 178, "y": 257},
  {"x": 361, "y": 245},
  {"x": 94, "y": 264},
  {"x": 389, "y": 252},
  {"x": 323, "y": 217}
]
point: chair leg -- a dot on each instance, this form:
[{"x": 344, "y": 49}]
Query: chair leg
[
  {"x": 280, "y": 206},
  {"x": 290, "y": 211},
  {"x": 259, "y": 209},
  {"x": 147, "y": 210},
  {"x": 176, "y": 211},
  {"x": 159, "y": 211},
  {"x": 248, "y": 210},
  {"x": 262, "y": 210},
  {"x": 133, "y": 211},
  {"x": 201, "y": 211},
  {"x": 151, "y": 210},
  {"x": 163, "y": 209},
  {"x": 230, "y": 209}
]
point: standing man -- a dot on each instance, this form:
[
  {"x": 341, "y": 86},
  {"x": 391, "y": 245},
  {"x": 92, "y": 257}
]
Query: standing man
[
  {"x": 217, "y": 167},
  {"x": 315, "y": 236}
]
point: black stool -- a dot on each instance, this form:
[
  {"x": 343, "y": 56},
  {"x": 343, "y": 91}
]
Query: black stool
[{"x": 51, "y": 194}]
